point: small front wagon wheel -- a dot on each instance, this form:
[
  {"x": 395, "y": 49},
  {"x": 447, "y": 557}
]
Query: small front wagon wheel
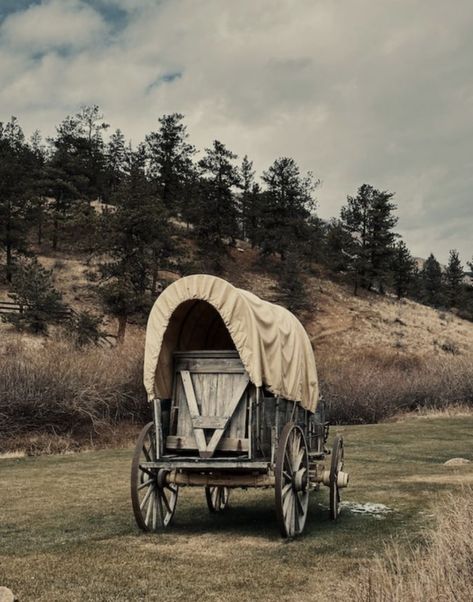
[
  {"x": 153, "y": 500},
  {"x": 336, "y": 466},
  {"x": 217, "y": 498},
  {"x": 292, "y": 481}
]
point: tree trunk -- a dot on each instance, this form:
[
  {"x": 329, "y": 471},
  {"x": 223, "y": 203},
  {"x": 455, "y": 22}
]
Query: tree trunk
[{"x": 122, "y": 321}]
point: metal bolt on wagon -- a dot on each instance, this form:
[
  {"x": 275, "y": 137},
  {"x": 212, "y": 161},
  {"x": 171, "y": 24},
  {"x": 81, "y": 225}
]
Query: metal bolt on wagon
[{"x": 233, "y": 385}]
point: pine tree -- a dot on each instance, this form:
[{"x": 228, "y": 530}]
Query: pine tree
[
  {"x": 66, "y": 179},
  {"x": 381, "y": 238},
  {"x": 115, "y": 162},
  {"x": 247, "y": 198},
  {"x": 291, "y": 290},
  {"x": 16, "y": 168},
  {"x": 136, "y": 237},
  {"x": 170, "y": 159},
  {"x": 369, "y": 221},
  {"x": 38, "y": 200},
  {"x": 33, "y": 289},
  {"x": 431, "y": 279},
  {"x": 453, "y": 278},
  {"x": 403, "y": 269},
  {"x": 217, "y": 224},
  {"x": 286, "y": 204},
  {"x": 91, "y": 149}
]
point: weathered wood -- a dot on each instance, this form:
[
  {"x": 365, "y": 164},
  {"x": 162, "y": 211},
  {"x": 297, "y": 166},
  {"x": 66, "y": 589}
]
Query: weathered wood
[
  {"x": 194, "y": 410},
  {"x": 229, "y": 409},
  {"x": 209, "y": 422},
  {"x": 225, "y": 443},
  {"x": 199, "y": 464}
]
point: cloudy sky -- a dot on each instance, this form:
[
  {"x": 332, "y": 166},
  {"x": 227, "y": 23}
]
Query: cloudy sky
[{"x": 355, "y": 90}]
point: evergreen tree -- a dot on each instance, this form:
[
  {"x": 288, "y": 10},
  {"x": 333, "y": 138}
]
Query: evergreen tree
[
  {"x": 453, "y": 278},
  {"x": 33, "y": 289},
  {"x": 247, "y": 197},
  {"x": 381, "y": 238},
  {"x": 38, "y": 200},
  {"x": 135, "y": 237},
  {"x": 65, "y": 173},
  {"x": 369, "y": 220},
  {"x": 170, "y": 159},
  {"x": 285, "y": 206},
  {"x": 403, "y": 269},
  {"x": 217, "y": 224},
  {"x": 16, "y": 162},
  {"x": 91, "y": 149},
  {"x": 337, "y": 243},
  {"x": 291, "y": 290},
  {"x": 431, "y": 279},
  {"x": 115, "y": 162}
]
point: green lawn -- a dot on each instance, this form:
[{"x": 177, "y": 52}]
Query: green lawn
[{"x": 67, "y": 532}]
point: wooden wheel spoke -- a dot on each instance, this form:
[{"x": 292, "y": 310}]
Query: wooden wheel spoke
[
  {"x": 146, "y": 453},
  {"x": 286, "y": 489},
  {"x": 145, "y": 484},
  {"x": 154, "y": 516},
  {"x": 299, "y": 502},
  {"x": 161, "y": 509},
  {"x": 150, "y": 507},
  {"x": 165, "y": 500},
  {"x": 146, "y": 497},
  {"x": 288, "y": 465}
]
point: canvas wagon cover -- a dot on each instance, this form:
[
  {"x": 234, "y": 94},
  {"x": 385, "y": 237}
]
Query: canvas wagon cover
[{"x": 273, "y": 345}]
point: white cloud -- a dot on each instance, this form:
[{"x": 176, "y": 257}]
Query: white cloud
[
  {"x": 51, "y": 25},
  {"x": 355, "y": 90}
]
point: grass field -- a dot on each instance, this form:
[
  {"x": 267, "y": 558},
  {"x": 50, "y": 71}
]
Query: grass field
[{"x": 67, "y": 533}]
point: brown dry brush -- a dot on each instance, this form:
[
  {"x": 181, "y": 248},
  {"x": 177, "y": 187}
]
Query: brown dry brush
[
  {"x": 373, "y": 386},
  {"x": 441, "y": 569},
  {"x": 63, "y": 391}
]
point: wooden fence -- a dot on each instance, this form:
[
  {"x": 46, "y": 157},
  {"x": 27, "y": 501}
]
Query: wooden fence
[{"x": 66, "y": 314}]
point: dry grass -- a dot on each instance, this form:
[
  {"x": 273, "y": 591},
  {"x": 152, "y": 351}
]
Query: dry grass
[
  {"x": 67, "y": 531},
  {"x": 441, "y": 570},
  {"x": 375, "y": 386},
  {"x": 58, "y": 394}
]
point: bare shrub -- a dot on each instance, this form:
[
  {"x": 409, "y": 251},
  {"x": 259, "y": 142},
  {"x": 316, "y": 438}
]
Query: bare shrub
[
  {"x": 442, "y": 569},
  {"x": 374, "y": 386},
  {"x": 61, "y": 389}
]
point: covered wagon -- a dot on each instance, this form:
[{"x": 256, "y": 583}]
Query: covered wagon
[{"x": 233, "y": 386}]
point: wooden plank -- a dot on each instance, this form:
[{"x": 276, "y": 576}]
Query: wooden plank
[
  {"x": 210, "y": 366},
  {"x": 209, "y": 422},
  {"x": 231, "y": 406},
  {"x": 225, "y": 443},
  {"x": 194, "y": 411}
]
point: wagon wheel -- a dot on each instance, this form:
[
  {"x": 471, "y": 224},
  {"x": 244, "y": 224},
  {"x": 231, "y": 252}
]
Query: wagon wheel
[
  {"x": 292, "y": 480},
  {"x": 336, "y": 466},
  {"x": 217, "y": 498},
  {"x": 153, "y": 500}
]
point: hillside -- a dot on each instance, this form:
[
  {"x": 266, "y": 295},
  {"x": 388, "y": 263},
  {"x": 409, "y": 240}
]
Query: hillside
[{"x": 338, "y": 321}]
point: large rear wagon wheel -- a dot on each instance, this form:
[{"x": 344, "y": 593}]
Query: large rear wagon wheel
[
  {"x": 292, "y": 481},
  {"x": 217, "y": 498},
  {"x": 153, "y": 500},
  {"x": 336, "y": 466}
]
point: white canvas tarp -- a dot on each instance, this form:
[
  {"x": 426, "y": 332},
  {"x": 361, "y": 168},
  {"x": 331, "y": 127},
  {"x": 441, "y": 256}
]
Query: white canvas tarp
[{"x": 204, "y": 312}]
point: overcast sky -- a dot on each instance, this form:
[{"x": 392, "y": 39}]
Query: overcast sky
[{"x": 355, "y": 90}]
